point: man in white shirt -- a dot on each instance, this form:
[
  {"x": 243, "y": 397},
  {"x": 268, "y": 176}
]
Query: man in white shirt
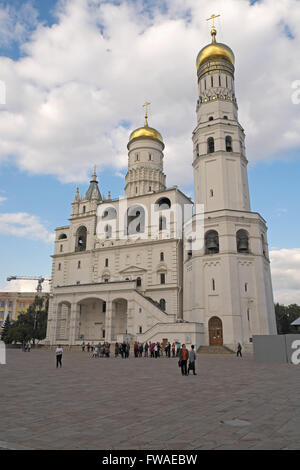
[{"x": 59, "y": 351}]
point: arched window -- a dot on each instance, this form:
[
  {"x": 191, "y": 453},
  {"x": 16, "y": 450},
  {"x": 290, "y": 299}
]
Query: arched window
[
  {"x": 211, "y": 242},
  {"x": 228, "y": 142},
  {"x": 162, "y": 304},
  {"x": 81, "y": 236},
  {"x": 162, "y": 256},
  {"x": 63, "y": 236},
  {"x": 138, "y": 282},
  {"x": 135, "y": 220},
  {"x": 109, "y": 213},
  {"x": 211, "y": 118},
  {"x": 163, "y": 203},
  {"x": 210, "y": 145},
  {"x": 242, "y": 241},
  {"x": 162, "y": 223},
  {"x": 213, "y": 284}
]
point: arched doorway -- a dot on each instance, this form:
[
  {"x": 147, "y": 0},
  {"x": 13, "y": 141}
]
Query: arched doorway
[
  {"x": 92, "y": 319},
  {"x": 215, "y": 329}
]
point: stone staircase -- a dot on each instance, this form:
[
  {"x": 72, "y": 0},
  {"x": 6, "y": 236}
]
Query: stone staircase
[{"x": 214, "y": 350}]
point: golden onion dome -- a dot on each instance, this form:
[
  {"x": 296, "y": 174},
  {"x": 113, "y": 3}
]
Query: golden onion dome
[
  {"x": 146, "y": 131},
  {"x": 214, "y": 51}
]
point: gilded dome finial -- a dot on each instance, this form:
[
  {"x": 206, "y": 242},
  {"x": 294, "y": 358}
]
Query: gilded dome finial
[
  {"x": 213, "y": 29},
  {"x": 145, "y": 105}
]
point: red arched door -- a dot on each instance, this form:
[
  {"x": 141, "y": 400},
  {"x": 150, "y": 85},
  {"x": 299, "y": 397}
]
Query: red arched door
[{"x": 215, "y": 331}]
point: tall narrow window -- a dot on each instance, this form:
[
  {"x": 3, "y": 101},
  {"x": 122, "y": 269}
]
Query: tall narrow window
[
  {"x": 228, "y": 142},
  {"x": 246, "y": 286},
  {"x": 162, "y": 304},
  {"x": 212, "y": 81},
  {"x": 78, "y": 265},
  {"x": 162, "y": 257},
  {"x": 83, "y": 209},
  {"x": 150, "y": 156},
  {"x": 138, "y": 282},
  {"x": 104, "y": 307},
  {"x": 162, "y": 223},
  {"x": 213, "y": 284},
  {"x": 106, "y": 262},
  {"x": 205, "y": 84},
  {"x": 61, "y": 248},
  {"x": 210, "y": 145},
  {"x": 219, "y": 80},
  {"x": 59, "y": 266},
  {"x": 226, "y": 82},
  {"x": 162, "y": 278}
]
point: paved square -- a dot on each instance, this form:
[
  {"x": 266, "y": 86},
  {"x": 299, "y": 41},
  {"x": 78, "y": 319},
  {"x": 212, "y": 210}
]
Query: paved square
[{"x": 142, "y": 403}]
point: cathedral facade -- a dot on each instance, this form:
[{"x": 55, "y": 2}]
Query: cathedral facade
[{"x": 153, "y": 265}]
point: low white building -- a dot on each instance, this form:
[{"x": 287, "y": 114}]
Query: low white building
[{"x": 122, "y": 269}]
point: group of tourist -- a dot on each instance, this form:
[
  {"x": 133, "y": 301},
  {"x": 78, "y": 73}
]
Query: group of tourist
[{"x": 98, "y": 350}]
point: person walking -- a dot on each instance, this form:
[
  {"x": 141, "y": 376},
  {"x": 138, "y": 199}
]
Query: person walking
[
  {"x": 192, "y": 359},
  {"x": 183, "y": 358},
  {"x": 146, "y": 350},
  {"x": 59, "y": 351},
  {"x": 239, "y": 350},
  {"x": 178, "y": 350},
  {"x": 173, "y": 349},
  {"x": 116, "y": 349},
  {"x": 83, "y": 346}
]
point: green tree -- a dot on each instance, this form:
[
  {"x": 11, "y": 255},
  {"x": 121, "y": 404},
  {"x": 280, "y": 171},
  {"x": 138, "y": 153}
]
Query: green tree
[
  {"x": 5, "y": 330},
  {"x": 285, "y": 315},
  {"x": 32, "y": 325}
]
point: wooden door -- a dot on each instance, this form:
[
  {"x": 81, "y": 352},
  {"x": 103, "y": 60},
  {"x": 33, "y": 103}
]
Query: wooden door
[{"x": 215, "y": 331}]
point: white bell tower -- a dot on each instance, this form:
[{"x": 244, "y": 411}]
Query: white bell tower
[{"x": 227, "y": 283}]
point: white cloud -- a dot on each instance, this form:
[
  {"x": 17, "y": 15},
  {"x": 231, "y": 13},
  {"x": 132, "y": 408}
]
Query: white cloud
[
  {"x": 285, "y": 268},
  {"x": 21, "y": 224},
  {"x": 80, "y": 79},
  {"x": 2, "y": 199}
]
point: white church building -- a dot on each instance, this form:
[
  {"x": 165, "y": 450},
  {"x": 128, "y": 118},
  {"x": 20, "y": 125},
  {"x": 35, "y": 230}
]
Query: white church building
[{"x": 153, "y": 265}]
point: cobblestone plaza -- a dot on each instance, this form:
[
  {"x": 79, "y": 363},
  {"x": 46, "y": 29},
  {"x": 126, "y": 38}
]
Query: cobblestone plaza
[{"x": 138, "y": 403}]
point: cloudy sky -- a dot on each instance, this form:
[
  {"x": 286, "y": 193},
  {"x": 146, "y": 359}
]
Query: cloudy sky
[{"x": 73, "y": 77}]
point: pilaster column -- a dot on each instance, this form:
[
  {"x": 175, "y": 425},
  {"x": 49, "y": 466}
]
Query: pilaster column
[
  {"x": 52, "y": 322},
  {"x": 5, "y": 309},
  {"x": 108, "y": 321},
  {"x": 74, "y": 323}
]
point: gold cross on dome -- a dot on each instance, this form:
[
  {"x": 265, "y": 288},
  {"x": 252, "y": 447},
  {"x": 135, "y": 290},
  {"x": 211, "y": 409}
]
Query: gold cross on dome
[
  {"x": 213, "y": 19},
  {"x": 145, "y": 105}
]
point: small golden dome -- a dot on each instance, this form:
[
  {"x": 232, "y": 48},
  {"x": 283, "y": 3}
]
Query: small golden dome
[
  {"x": 145, "y": 132},
  {"x": 214, "y": 51}
]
